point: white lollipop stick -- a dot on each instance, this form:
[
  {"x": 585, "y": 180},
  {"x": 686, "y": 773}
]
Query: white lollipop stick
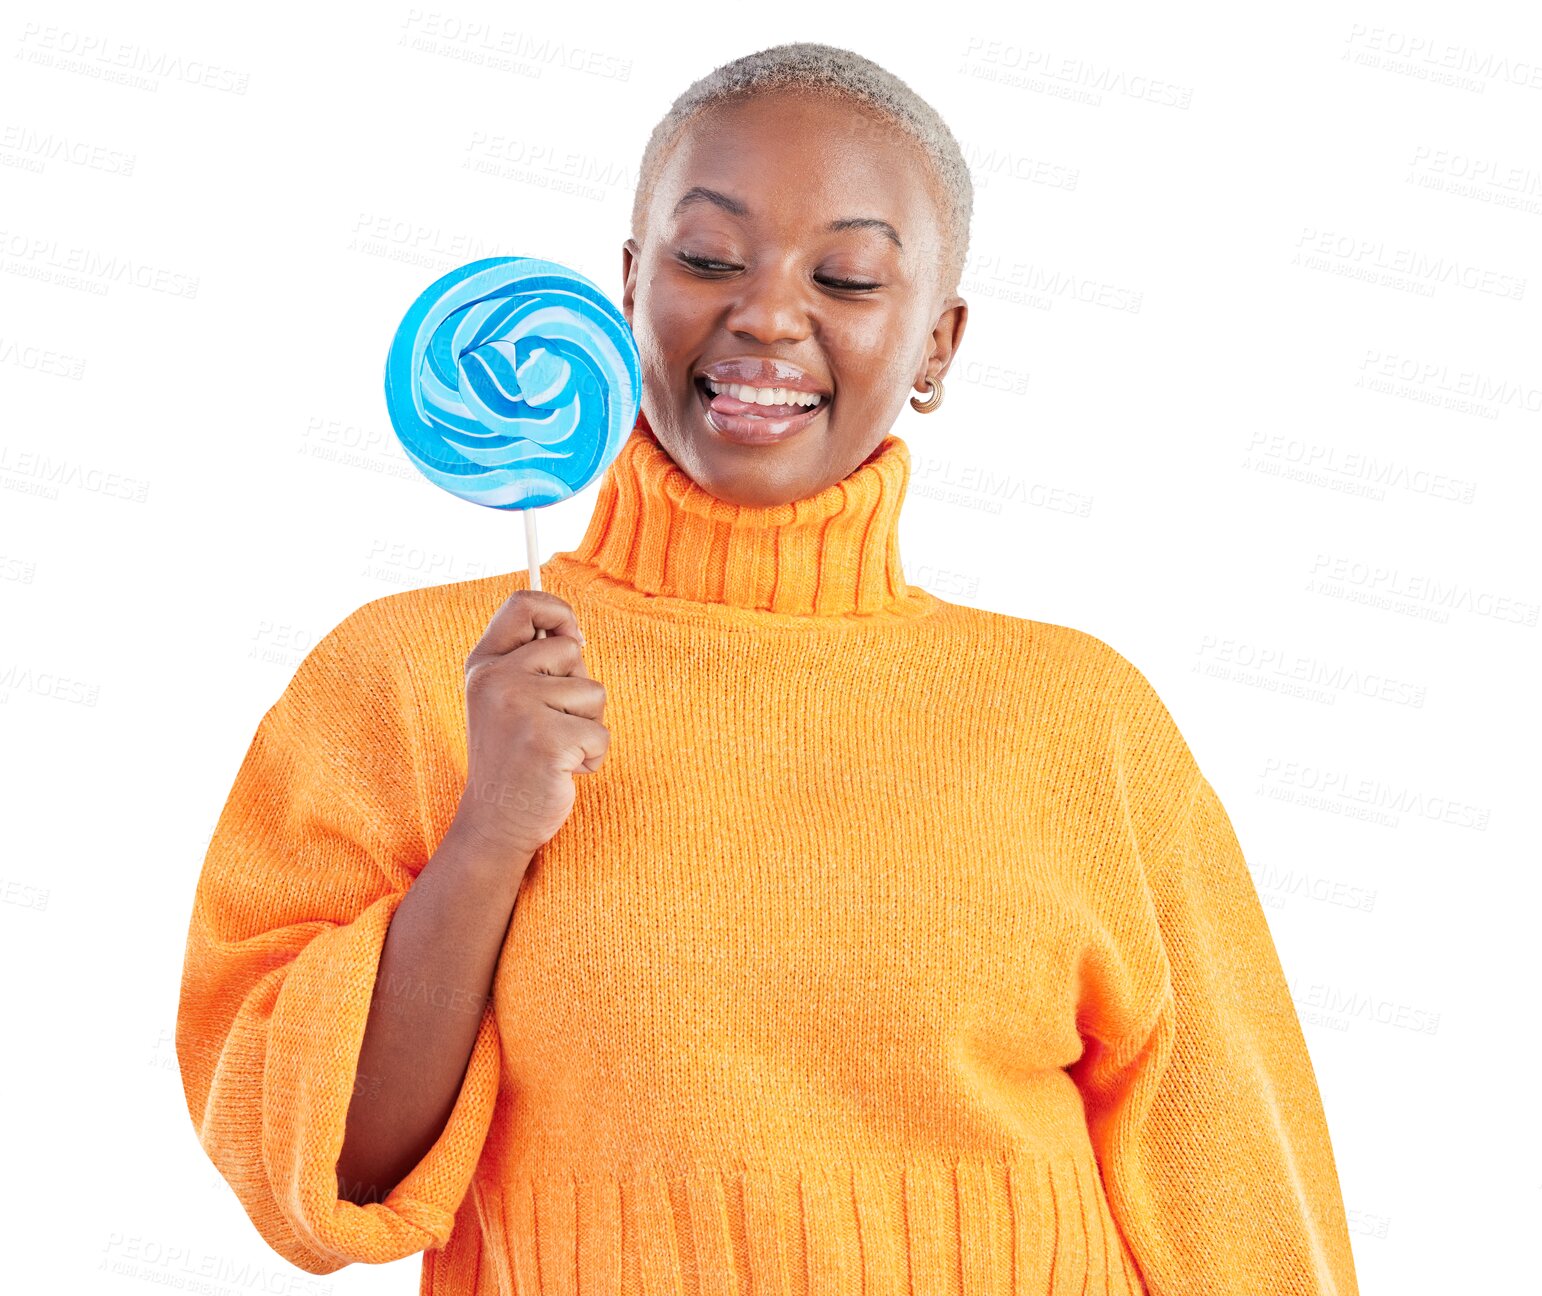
[{"x": 532, "y": 556}]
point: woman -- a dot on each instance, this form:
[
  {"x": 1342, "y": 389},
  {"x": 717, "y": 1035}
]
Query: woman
[{"x": 884, "y": 945}]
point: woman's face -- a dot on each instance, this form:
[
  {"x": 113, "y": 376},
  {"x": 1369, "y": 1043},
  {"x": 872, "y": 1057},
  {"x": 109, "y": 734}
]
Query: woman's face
[{"x": 766, "y": 245}]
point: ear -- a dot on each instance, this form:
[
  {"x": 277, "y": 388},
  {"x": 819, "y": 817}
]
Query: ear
[
  {"x": 947, "y": 333},
  {"x": 631, "y": 254}
]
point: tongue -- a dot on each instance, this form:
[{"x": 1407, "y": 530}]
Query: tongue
[{"x": 725, "y": 404}]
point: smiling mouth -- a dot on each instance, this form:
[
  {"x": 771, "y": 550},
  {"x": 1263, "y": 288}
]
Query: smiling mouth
[
  {"x": 749, "y": 423},
  {"x": 754, "y": 409}
]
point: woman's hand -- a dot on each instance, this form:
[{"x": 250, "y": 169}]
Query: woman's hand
[{"x": 532, "y": 722}]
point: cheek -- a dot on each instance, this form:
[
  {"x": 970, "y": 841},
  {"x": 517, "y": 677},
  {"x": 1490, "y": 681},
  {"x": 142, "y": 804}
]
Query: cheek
[
  {"x": 670, "y": 328},
  {"x": 866, "y": 351},
  {"x": 664, "y": 341}
]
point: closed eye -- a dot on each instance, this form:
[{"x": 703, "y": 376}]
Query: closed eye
[{"x": 709, "y": 267}]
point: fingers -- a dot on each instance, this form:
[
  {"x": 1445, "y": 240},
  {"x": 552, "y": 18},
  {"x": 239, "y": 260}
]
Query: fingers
[
  {"x": 588, "y": 744},
  {"x": 574, "y": 696},
  {"x": 522, "y": 614},
  {"x": 555, "y": 655}
]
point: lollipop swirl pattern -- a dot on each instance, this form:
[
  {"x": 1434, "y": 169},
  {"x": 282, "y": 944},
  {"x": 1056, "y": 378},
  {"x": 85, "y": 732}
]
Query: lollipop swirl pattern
[{"x": 512, "y": 382}]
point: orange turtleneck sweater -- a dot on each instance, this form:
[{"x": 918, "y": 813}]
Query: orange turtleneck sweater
[{"x": 898, "y": 946}]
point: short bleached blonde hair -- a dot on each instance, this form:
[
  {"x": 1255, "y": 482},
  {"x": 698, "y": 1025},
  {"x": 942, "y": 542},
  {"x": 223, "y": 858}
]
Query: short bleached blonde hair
[{"x": 810, "y": 68}]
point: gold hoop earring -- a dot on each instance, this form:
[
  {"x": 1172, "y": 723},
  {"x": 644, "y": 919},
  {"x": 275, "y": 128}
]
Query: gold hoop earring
[{"x": 933, "y": 397}]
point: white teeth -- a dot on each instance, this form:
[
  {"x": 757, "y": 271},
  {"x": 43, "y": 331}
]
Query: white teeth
[{"x": 764, "y": 395}]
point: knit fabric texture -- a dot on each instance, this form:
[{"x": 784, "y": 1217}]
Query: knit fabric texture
[{"x": 898, "y": 946}]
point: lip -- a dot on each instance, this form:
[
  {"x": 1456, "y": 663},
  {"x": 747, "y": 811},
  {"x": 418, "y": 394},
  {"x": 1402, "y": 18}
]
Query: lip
[
  {"x": 752, "y": 429},
  {"x": 762, "y": 371}
]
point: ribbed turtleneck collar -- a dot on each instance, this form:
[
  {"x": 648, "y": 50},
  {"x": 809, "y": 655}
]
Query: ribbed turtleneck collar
[{"x": 835, "y": 553}]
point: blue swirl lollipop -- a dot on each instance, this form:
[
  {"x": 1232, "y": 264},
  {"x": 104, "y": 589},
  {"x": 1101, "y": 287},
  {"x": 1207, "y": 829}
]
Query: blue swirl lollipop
[{"x": 513, "y": 382}]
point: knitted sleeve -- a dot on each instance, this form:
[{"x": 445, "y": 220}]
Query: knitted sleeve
[
  {"x": 319, "y": 840},
  {"x": 1205, "y": 1116}
]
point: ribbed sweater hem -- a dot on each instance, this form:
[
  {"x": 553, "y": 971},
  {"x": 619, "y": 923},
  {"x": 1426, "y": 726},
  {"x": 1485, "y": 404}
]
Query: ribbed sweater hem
[{"x": 1014, "y": 1225}]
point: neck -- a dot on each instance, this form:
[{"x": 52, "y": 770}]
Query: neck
[{"x": 836, "y": 553}]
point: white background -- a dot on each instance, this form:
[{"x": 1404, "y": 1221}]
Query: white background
[{"x": 1250, "y": 389}]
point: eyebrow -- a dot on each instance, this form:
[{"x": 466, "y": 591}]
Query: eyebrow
[{"x": 700, "y": 193}]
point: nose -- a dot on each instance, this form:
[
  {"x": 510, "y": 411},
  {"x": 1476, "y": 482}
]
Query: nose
[{"x": 771, "y": 306}]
